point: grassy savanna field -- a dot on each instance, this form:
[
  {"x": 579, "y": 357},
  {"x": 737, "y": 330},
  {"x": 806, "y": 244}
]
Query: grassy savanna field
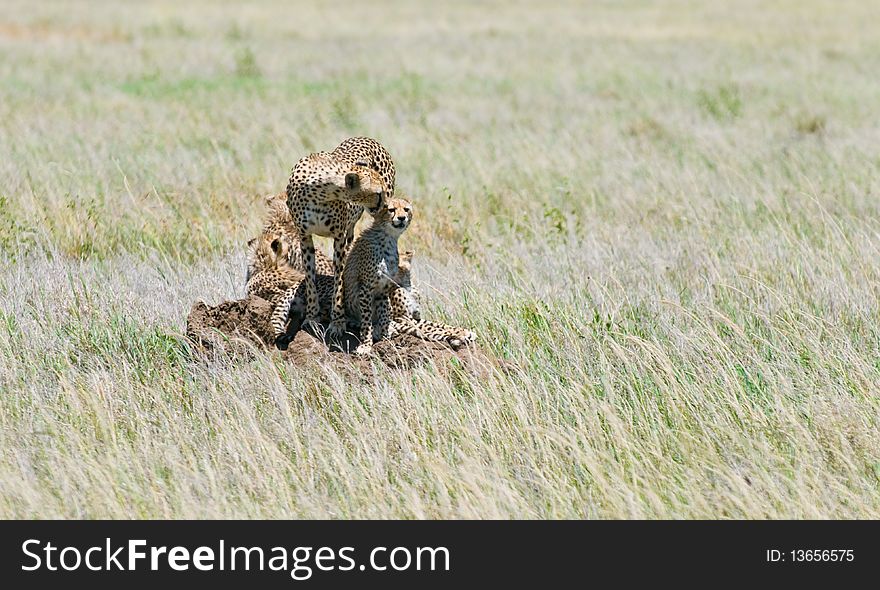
[{"x": 665, "y": 217}]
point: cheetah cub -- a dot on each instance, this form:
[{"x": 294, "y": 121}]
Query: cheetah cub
[
  {"x": 371, "y": 270},
  {"x": 272, "y": 277},
  {"x": 405, "y": 299},
  {"x": 406, "y": 313},
  {"x": 279, "y": 224}
]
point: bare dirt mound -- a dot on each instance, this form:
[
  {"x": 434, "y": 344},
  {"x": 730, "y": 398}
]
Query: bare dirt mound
[{"x": 242, "y": 325}]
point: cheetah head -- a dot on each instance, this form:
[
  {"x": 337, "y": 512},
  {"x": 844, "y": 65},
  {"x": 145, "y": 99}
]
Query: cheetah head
[
  {"x": 268, "y": 251},
  {"x": 365, "y": 186},
  {"x": 277, "y": 205},
  {"x": 406, "y": 260},
  {"x": 404, "y": 269},
  {"x": 397, "y": 213}
]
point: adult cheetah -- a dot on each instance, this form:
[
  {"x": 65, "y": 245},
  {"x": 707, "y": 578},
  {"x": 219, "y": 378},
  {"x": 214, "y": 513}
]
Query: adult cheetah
[{"x": 326, "y": 195}]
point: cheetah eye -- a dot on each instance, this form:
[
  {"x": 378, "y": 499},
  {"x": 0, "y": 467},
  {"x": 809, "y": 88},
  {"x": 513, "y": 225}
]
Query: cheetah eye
[{"x": 406, "y": 209}]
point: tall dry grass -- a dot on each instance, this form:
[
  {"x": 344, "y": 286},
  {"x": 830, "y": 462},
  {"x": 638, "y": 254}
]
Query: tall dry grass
[{"x": 665, "y": 217}]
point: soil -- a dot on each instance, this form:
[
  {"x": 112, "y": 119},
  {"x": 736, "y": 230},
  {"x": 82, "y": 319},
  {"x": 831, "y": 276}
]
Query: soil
[{"x": 242, "y": 327}]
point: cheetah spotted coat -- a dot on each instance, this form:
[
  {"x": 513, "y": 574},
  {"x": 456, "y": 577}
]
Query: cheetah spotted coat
[{"x": 326, "y": 195}]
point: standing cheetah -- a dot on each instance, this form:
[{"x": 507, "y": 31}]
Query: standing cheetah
[
  {"x": 371, "y": 270},
  {"x": 326, "y": 195}
]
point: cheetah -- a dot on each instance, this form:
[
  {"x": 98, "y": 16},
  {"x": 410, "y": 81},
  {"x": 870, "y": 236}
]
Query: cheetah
[
  {"x": 278, "y": 223},
  {"x": 275, "y": 279},
  {"x": 406, "y": 313},
  {"x": 371, "y": 270},
  {"x": 271, "y": 275},
  {"x": 404, "y": 299},
  {"x": 430, "y": 331},
  {"x": 326, "y": 195}
]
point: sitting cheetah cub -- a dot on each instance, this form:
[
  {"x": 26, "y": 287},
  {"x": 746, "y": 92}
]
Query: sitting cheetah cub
[
  {"x": 371, "y": 270},
  {"x": 406, "y": 313},
  {"x": 279, "y": 224},
  {"x": 272, "y": 276},
  {"x": 405, "y": 299}
]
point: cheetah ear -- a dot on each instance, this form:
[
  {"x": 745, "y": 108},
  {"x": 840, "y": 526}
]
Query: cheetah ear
[
  {"x": 251, "y": 242},
  {"x": 352, "y": 181},
  {"x": 407, "y": 256}
]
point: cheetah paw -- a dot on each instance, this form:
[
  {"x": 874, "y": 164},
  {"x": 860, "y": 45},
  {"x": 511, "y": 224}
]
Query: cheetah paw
[
  {"x": 311, "y": 325},
  {"x": 336, "y": 329},
  {"x": 283, "y": 342},
  {"x": 363, "y": 349},
  {"x": 460, "y": 342}
]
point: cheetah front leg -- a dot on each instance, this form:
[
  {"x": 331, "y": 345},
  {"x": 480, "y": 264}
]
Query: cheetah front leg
[
  {"x": 337, "y": 314},
  {"x": 365, "y": 305},
  {"x": 382, "y": 319},
  {"x": 279, "y": 318},
  {"x": 313, "y": 311}
]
